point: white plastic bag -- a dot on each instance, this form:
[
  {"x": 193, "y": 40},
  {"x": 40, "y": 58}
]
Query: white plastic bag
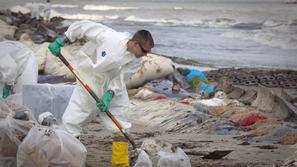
[
  {"x": 47, "y": 98},
  {"x": 12, "y": 130},
  {"x": 143, "y": 160},
  {"x": 49, "y": 146},
  {"x": 173, "y": 159}
]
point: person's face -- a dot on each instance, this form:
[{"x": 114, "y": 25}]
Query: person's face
[{"x": 141, "y": 50}]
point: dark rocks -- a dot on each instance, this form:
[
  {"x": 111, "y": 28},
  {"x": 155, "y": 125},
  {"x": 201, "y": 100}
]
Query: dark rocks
[
  {"x": 248, "y": 26},
  {"x": 38, "y": 30},
  {"x": 225, "y": 85},
  {"x": 236, "y": 93},
  {"x": 245, "y": 78},
  {"x": 217, "y": 154},
  {"x": 252, "y": 77},
  {"x": 248, "y": 97}
]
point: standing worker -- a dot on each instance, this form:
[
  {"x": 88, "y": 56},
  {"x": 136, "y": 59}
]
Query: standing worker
[
  {"x": 47, "y": 11},
  {"x": 104, "y": 63},
  {"x": 18, "y": 66},
  {"x": 34, "y": 11}
]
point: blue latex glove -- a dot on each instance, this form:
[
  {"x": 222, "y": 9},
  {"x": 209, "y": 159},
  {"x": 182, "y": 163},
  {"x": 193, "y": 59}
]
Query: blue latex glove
[
  {"x": 55, "y": 47},
  {"x": 105, "y": 100}
]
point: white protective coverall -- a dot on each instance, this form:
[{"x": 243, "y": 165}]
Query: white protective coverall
[
  {"x": 47, "y": 11},
  {"x": 18, "y": 66},
  {"x": 103, "y": 63},
  {"x": 34, "y": 11}
]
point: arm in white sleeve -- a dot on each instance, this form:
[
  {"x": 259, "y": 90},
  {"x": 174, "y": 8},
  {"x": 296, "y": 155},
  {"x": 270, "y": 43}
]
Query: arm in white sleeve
[
  {"x": 8, "y": 69},
  {"x": 87, "y": 29}
]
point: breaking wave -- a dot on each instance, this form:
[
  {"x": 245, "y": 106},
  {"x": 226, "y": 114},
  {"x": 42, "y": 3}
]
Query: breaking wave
[
  {"x": 64, "y": 6},
  {"x": 105, "y": 7},
  {"x": 22, "y": 9},
  {"x": 94, "y": 17},
  {"x": 219, "y": 22},
  {"x": 54, "y": 5},
  {"x": 275, "y": 35}
]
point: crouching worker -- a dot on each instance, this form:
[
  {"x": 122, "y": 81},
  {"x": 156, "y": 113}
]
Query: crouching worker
[
  {"x": 104, "y": 63},
  {"x": 196, "y": 81},
  {"x": 18, "y": 66}
]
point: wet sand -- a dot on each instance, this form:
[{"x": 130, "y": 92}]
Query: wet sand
[{"x": 98, "y": 143}]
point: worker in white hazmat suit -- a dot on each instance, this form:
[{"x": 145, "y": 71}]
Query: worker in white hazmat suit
[
  {"x": 47, "y": 11},
  {"x": 35, "y": 11},
  {"x": 18, "y": 66},
  {"x": 104, "y": 63}
]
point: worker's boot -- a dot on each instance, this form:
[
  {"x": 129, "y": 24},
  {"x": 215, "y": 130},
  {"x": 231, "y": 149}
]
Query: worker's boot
[{"x": 119, "y": 157}]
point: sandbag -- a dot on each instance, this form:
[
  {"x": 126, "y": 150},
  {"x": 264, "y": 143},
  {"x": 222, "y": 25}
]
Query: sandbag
[
  {"x": 15, "y": 123},
  {"x": 55, "y": 66},
  {"x": 41, "y": 51},
  {"x": 161, "y": 154},
  {"x": 47, "y": 62},
  {"x": 50, "y": 146},
  {"x": 143, "y": 160},
  {"x": 153, "y": 67},
  {"x": 6, "y": 31},
  {"x": 176, "y": 158}
]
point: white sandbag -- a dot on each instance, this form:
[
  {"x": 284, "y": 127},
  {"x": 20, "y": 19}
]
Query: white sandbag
[
  {"x": 41, "y": 51},
  {"x": 176, "y": 158},
  {"x": 8, "y": 150},
  {"x": 143, "y": 160},
  {"x": 8, "y": 161},
  {"x": 7, "y": 31},
  {"x": 18, "y": 121},
  {"x": 163, "y": 154},
  {"x": 212, "y": 102},
  {"x": 49, "y": 146},
  {"x": 55, "y": 66},
  {"x": 144, "y": 93},
  {"x": 47, "y": 98},
  {"x": 12, "y": 130},
  {"x": 153, "y": 67}
]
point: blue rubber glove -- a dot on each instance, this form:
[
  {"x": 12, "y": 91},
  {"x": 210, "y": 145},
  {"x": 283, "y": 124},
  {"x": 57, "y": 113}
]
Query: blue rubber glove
[
  {"x": 105, "y": 100},
  {"x": 6, "y": 91},
  {"x": 55, "y": 47}
]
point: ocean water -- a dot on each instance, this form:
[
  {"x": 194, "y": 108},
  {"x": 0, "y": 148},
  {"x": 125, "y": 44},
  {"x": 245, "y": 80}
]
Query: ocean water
[{"x": 222, "y": 33}]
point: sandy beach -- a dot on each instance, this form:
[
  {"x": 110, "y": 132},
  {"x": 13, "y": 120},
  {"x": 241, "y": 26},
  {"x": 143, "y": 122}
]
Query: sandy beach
[{"x": 210, "y": 130}]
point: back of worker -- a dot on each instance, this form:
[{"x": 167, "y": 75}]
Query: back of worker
[{"x": 18, "y": 66}]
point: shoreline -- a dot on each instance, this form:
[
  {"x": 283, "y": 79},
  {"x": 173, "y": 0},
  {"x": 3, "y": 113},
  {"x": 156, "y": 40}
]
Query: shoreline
[
  {"x": 198, "y": 127},
  {"x": 197, "y": 64},
  {"x": 238, "y": 60}
]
